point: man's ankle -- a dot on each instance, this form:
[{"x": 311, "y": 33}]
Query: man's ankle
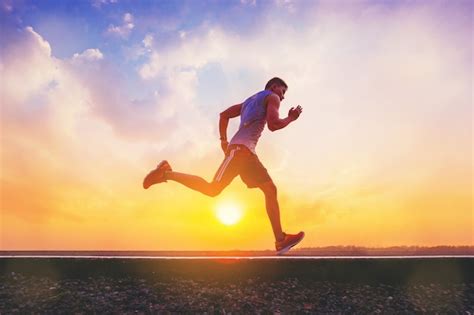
[{"x": 281, "y": 237}]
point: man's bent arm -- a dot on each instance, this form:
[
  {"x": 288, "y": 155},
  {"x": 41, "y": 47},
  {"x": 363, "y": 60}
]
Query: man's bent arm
[
  {"x": 229, "y": 113},
  {"x": 273, "y": 116}
]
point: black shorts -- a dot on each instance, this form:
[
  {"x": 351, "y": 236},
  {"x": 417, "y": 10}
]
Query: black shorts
[{"x": 239, "y": 160}]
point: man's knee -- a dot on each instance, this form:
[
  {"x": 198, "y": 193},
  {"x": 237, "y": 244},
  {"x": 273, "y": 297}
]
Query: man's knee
[
  {"x": 215, "y": 188},
  {"x": 269, "y": 188}
]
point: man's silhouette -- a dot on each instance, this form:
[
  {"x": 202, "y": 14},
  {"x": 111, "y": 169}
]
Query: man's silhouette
[{"x": 240, "y": 158}]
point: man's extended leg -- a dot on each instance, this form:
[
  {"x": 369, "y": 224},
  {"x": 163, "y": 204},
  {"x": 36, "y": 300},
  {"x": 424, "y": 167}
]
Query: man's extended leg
[
  {"x": 196, "y": 183},
  {"x": 273, "y": 209},
  {"x": 226, "y": 172}
]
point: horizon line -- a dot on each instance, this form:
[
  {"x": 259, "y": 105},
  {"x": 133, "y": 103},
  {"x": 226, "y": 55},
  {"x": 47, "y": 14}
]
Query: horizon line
[
  {"x": 242, "y": 257},
  {"x": 240, "y": 250}
]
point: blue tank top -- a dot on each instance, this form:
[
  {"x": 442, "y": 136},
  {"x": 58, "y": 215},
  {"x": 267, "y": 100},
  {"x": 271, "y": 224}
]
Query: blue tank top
[{"x": 253, "y": 118}]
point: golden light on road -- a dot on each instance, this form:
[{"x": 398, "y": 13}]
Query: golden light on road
[{"x": 228, "y": 213}]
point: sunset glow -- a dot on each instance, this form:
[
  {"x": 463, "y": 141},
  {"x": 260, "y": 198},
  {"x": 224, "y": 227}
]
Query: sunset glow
[
  {"x": 228, "y": 214},
  {"x": 95, "y": 93}
]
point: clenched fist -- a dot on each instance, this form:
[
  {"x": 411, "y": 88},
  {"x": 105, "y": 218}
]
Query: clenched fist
[{"x": 294, "y": 113}]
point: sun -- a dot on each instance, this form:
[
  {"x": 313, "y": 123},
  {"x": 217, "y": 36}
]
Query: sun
[{"x": 228, "y": 213}]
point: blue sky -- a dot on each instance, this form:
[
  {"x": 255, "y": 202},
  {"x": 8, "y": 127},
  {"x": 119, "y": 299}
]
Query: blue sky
[{"x": 72, "y": 26}]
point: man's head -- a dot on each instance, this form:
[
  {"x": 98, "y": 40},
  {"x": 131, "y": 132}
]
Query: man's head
[{"x": 277, "y": 86}]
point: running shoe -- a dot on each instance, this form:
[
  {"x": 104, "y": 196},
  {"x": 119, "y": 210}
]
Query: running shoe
[
  {"x": 288, "y": 242},
  {"x": 157, "y": 175}
]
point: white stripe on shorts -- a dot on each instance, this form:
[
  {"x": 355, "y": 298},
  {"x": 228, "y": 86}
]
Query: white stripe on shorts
[{"x": 225, "y": 164}]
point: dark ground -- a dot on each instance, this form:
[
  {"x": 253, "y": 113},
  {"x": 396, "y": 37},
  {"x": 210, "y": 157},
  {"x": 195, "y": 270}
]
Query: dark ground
[{"x": 88, "y": 286}]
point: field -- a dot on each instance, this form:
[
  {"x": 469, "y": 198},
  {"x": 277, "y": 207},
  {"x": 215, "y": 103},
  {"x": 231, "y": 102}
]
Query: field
[{"x": 228, "y": 285}]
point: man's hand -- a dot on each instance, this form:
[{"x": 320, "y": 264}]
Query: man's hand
[
  {"x": 294, "y": 113},
  {"x": 224, "y": 145},
  {"x": 274, "y": 122},
  {"x": 229, "y": 113}
]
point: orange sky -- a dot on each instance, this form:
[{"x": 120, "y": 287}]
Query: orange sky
[{"x": 381, "y": 156}]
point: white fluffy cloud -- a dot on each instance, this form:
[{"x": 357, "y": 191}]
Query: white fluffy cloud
[
  {"x": 90, "y": 54},
  {"x": 61, "y": 129},
  {"x": 124, "y": 29},
  {"x": 212, "y": 46},
  {"x": 77, "y": 105},
  {"x": 35, "y": 73}
]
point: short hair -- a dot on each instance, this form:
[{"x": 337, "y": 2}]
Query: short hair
[{"x": 277, "y": 81}]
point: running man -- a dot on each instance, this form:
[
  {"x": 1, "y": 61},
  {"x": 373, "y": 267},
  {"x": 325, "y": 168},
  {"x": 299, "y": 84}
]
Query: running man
[{"x": 240, "y": 157}]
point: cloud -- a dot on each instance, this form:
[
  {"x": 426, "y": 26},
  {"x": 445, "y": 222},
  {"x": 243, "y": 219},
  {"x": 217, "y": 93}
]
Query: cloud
[
  {"x": 138, "y": 50},
  {"x": 148, "y": 41},
  {"x": 289, "y": 5},
  {"x": 74, "y": 143},
  {"x": 194, "y": 52},
  {"x": 37, "y": 124},
  {"x": 59, "y": 131},
  {"x": 152, "y": 68},
  {"x": 99, "y": 3},
  {"x": 7, "y": 6},
  {"x": 124, "y": 30},
  {"x": 36, "y": 74},
  {"x": 127, "y": 18},
  {"x": 249, "y": 2},
  {"x": 90, "y": 54}
]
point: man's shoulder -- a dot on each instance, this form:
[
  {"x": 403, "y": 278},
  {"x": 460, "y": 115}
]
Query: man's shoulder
[
  {"x": 260, "y": 94},
  {"x": 271, "y": 97},
  {"x": 261, "y": 97}
]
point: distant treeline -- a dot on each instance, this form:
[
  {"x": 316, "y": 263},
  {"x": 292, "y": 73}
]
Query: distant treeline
[{"x": 308, "y": 251}]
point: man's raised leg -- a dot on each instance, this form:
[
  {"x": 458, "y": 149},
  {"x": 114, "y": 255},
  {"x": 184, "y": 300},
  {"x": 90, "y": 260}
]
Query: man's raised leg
[
  {"x": 164, "y": 172},
  {"x": 195, "y": 182},
  {"x": 226, "y": 172}
]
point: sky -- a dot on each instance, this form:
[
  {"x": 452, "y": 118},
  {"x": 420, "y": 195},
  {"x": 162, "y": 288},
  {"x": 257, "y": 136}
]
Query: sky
[{"x": 95, "y": 93}]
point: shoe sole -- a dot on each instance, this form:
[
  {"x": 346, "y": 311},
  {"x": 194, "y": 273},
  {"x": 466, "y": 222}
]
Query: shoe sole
[
  {"x": 157, "y": 168},
  {"x": 287, "y": 248}
]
